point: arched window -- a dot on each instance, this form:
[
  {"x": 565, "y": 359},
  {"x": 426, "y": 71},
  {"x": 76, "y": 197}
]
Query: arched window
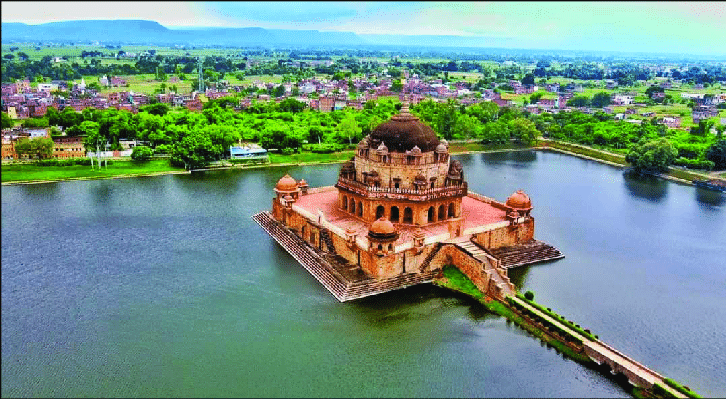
[
  {"x": 407, "y": 215},
  {"x": 380, "y": 247},
  {"x": 303, "y": 232},
  {"x": 432, "y": 214},
  {"x": 390, "y": 247},
  {"x": 451, "y": 210},
  {"x": 345, "y": 203},
  {"x": 360, "y": 208},
  {"x": 442, "y": 212},
  {"x": 394, "y": 214},
  {"x": 352, "y": 206},
  {"x": 380, "y": 211}
]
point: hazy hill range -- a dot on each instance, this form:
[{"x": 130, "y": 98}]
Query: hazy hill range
[{"x": 151, "y": 32}]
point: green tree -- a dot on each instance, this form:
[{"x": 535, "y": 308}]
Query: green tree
[
  {"x": 40, "y": 147},
  {"x": 578, "y": 101},
  {"x": 7, "y": 121},
  {"x": 535, "y": 97},
  {"x": 195, "y": 150},
  {"x": 396, "y": 86},
  {"x": 528, "y": 79},
  {"x": 155, "y": 109},
  {"x": 601, "y": 99},
  {"x": 523, "y": 130},
  {"x": 717, "y": 154},
  {"x": 278, "y": 136},
  {"x": 652, "y": 156},
  {"x": 348, "y": 127},
  {"x": 34, "y": 123},
  {"x": 291, "y": 105},
  {"x": 141, "y": 153}
]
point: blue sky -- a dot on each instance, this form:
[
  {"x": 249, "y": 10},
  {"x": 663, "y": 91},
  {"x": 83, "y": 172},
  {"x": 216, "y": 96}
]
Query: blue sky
[{"x": 677, "y": 27}]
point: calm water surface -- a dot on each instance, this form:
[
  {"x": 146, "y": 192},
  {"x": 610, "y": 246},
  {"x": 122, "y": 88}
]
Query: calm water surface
[{"x": 164, "y": 286}]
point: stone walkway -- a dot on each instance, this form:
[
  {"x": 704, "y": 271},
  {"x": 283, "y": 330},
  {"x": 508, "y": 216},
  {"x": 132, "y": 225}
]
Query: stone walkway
[{"x": 636, "y": 370}]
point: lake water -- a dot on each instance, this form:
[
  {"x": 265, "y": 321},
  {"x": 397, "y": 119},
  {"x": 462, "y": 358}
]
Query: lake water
[{"x": 164, "y": 286}]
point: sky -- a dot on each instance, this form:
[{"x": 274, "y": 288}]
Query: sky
[{"x": 674, "y": 27}]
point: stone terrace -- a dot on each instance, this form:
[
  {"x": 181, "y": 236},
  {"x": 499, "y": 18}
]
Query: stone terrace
[{"x": 475, "y": 213}]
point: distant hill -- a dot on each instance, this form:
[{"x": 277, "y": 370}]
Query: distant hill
[{"x": 151, "y": 32}]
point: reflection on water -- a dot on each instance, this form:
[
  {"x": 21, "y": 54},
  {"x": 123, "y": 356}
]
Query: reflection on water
[
  {"x": 647, "y": 187},
  {"x": 514, "y": 159},
  {"x": 45, "y": 191},
  {"x": 518, "y": 275},
  {"x": 710, "y": 199}
]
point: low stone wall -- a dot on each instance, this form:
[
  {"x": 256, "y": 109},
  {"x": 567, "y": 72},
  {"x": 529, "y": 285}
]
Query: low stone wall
[
  {"x": 593, "y": 353},
  {"x": 506, "y": 236}
]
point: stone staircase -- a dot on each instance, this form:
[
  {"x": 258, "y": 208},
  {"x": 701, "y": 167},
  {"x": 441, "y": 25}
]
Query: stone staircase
[
  {"x": 322, "y": 266},
  {"x": 527, "y": 253},
  {"x": 503, "y": 286},
  {"x": 325, "y": 237},
  {"x": 304, "y": 254},
  {"x": 425, "y": 264},
  {"x": 372, "y": 286}
]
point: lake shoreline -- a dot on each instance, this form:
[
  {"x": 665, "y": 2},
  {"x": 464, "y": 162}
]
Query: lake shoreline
[{"x": 289, "y": 164}]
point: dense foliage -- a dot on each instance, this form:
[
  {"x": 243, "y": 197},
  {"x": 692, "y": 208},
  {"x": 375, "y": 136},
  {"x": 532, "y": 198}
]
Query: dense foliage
[{"x": 652, "y": 156}]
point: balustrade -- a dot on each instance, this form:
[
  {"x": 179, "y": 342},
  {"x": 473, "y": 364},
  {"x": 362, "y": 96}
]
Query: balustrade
[{"x": 410, "y": 193}]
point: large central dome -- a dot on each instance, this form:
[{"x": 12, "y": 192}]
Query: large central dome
[{"x": 403, "y": 132}]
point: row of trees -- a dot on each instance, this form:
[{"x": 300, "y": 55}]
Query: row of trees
[{"x": 195, "y": 139}]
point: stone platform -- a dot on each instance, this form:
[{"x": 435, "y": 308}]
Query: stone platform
[
  {"x": 526, "y": 253},
  {"x": 346, "y": 282}
]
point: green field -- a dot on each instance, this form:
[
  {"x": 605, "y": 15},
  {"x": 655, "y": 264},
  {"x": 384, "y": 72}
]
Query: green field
[
  {"x": 310, "y": 157},
  {"x": 30, "y": 172}
]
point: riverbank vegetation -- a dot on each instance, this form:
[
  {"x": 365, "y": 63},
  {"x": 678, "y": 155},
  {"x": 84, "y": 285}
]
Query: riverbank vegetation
[
  {"x": 455, "y": 280},
  {"x": 32, "y": 172}
]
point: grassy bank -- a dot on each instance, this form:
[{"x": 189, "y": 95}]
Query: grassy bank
[
  {"x": 455, "y": 280},
  {"x": 311, "y": 157},
  {"x": 587, "y": 151},
  {"x": 619, "y": 159},
  {"x": 31, "y": 173}
]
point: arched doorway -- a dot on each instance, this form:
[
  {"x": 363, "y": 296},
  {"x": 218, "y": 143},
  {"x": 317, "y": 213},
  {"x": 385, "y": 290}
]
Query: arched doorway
[
  {"x": 442, "y": 212},
  {"x": 352, "y": 206},
  {"x": 394, "y": 214},
  {"x": 380, "y": 211},
  {"x": 360, "y": 208},
  {"x": 431, "y": 215},
  {"x": 345, "y": 203},
  {"x": 407, "y": 215},
  {"x": 451, "y": 210}
]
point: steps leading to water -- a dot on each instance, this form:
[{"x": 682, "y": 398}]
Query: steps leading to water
[
  {"x": 527, "y": 253},
  {"x": 322, "y": 267}
]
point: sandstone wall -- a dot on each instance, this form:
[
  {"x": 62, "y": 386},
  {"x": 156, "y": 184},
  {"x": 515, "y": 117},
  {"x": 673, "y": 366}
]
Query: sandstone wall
[
  {"x": 506, "y": 236},
  {"x": 398, "y": 168}
]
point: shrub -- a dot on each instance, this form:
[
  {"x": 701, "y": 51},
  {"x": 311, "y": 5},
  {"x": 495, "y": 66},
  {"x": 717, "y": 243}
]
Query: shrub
[
  {"x": 529, "y": 295},
  {"x": 162, "y": 149},
  {"x": 65, "y": 162},
  {"x": 141, "y": 153},
  {"x": 695, "y": 163},
  {"x": 326, "y": 148}
]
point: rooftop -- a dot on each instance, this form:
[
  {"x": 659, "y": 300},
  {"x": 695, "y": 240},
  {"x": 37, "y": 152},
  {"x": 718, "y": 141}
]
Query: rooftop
[{"x": 475, "y": 213}]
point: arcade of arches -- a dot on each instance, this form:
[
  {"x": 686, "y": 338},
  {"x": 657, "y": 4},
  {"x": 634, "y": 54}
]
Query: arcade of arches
[
  {"x": 401, "y": 212},
  {"x": 402, "y": 172}
]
